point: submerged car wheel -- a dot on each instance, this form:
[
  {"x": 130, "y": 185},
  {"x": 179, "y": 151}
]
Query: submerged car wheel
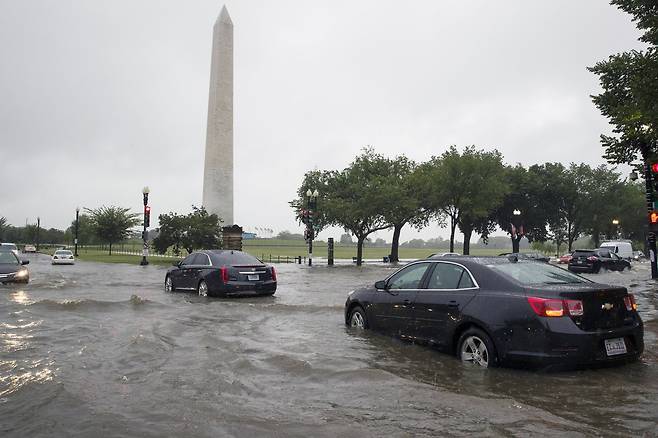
[
  {"x": 476, "y": 348},
  {"x": 202, "y": 289},
  {"x": 169, "y": 285},
  {"x": 358, "y": 318}
]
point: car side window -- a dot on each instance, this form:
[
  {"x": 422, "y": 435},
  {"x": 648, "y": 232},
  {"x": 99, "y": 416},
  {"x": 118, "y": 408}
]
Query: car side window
[
  {"x": 188, "y": 260},
  {"x": 449, "y": 276},
  {"x": 409, "y": 277},
  {"x": 615, "y": 257}
]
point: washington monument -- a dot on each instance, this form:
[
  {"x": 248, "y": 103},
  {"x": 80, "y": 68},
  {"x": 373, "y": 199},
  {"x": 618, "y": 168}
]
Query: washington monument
[{"x": 218, "y": 167}]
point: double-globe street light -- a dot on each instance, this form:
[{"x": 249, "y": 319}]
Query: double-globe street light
[
  {"x": 147, "y": 220},
  {"x": 311, "y": 205}
]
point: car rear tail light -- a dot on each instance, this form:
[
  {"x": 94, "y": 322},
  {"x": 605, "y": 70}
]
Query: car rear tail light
[
  {"x": 273, "y": 274},
  {"x": 592, "y": 258},
  {"x": 574, "y": 307},
  {"x": 629, "y": 300},
  {"x": 555, "y": 308},
  {"x": 223, "y": 272},
  {"x": 546, "y": 306}
]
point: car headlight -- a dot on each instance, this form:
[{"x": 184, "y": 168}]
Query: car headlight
[{"x": 21, "y": 274}]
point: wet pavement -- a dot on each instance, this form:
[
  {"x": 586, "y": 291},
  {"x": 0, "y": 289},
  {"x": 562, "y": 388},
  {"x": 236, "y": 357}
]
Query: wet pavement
[{"x": 102, "y": 350}]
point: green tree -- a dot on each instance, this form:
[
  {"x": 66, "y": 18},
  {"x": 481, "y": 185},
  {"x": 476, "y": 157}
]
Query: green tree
[
  {"x": 630, "y": 90},
  {"x": 203, "y": 230},
  {"x": 86, "y": 234},
  {"x": 112, "y": 224},
  {"x": 3, "y": 227},
  {"x": 524, "y": 197},
  {"x": 466, "y": 188},
  {"x": 403, "y": 205},
  {"x": 171, "y": 233},
  {"x": 196, "y": 230}
]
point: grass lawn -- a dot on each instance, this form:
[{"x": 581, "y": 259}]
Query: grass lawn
[{"x": 267, "y": 250}]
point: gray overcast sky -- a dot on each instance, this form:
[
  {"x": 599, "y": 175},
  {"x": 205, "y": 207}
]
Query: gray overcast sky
[{"x": 99, "y": 98}]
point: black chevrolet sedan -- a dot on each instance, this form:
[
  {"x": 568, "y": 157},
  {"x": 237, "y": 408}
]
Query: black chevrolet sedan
[
  {"x": 12, "y": 270},
  {"x": 222, "y": 273},
  {"x": 492, "y": 311}
]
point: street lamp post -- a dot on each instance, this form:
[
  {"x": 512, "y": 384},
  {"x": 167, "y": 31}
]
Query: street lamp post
[
  {"x": 147, "y": 212},
  {"x": 38, "y": 226},
  {"x": 615, "y": 222},
  {"x": 311, "y": 205},
  {"x": 517, "y": 230},
  {"x": 77, "y": 222}
]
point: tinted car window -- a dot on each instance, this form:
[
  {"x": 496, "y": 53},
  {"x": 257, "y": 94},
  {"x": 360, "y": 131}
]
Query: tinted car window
[
  {"x": 201, "y": 259},
  {"x": 582, "y": 253},
  {"x": 603, "y": 253},
  {"x": 537, "y": 273},
  {"x": 235, "y": 258},
  {"x": 8, "y": 258},
  {"x": 466, "y": 281},
  {"x": 409, "y": 277},
  {"x": 188, "y": 260},
  {"x": 445, "y": 276}
]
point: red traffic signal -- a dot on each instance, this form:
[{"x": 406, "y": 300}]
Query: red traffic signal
[
  {"x": 654, "y": 167},
  {"x": 147, "y": 209},
  {"x": 653, "y": 217},
  {"x": 147, "y": 216}
]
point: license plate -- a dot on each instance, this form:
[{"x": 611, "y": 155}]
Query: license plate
[
  {"x": 252, "y": 277},
  {"x": 615, "y": 346},
  {"x": 580, "y": 262}
]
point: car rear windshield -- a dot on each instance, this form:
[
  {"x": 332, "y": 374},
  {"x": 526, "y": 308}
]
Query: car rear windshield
[
  {"x": 582, "y": 253},
  {"x": 234, "y": 258},
  {"x": 65, "y": 252},
  {"x": 537, "y": 273},
  {"x": 8, "y": 258}
]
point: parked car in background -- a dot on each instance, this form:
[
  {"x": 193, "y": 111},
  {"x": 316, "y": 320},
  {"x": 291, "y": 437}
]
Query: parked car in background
[
  {"x": 222, "y": 273},
  {"x": 29, "y": 248},
  {"x": 593, "y": 260},
  {"x": 12, "y": 269},
  {"x": 493, "y": 311},
  {"x": 9, "y": 247},
  {"x": 622, "y": 248},
  {"x": 528, "y": 256},
  {"x": 63, "y": 257},
  {"x": 445, "y": 254},
  {"x": 566, "y": 258}
]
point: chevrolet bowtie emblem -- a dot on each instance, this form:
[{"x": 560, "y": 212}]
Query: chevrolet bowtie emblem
[{"x": 607, "y": 306}]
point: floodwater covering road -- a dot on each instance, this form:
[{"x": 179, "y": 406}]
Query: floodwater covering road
[{"x": 101, "y": 350}]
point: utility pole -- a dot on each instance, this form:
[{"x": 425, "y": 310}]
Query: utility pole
[
  {"x": 307, "y": 218},
  {"x": 649, "y": 170}
]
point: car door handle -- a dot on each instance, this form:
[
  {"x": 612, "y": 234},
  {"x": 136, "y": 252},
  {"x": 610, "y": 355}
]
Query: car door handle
[{"x": 453, "y": 303}]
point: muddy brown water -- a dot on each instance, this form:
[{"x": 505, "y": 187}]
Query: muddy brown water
[{"x": 101, "y": 350}]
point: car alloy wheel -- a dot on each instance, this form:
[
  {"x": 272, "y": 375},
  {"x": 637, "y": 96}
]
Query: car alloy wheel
[
  {"x": 168, "y": 284},
  {"x": 475, "y": 351},
  {"x": 202, "y": 289},
  {"x": 476, "y": 348},
  {"x": 358, "y": 318}
]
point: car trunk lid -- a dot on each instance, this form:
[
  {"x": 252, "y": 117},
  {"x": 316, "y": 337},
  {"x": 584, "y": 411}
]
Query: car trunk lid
[{"x": 603, "y": 305}]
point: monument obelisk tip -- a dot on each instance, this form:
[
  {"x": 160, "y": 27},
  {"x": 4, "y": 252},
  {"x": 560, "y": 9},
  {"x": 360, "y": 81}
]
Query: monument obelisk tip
[{"x": 224, "y": 17}]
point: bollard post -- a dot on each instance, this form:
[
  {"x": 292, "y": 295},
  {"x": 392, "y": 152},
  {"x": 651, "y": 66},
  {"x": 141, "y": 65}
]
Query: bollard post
[{"x": 330, "y": 251}]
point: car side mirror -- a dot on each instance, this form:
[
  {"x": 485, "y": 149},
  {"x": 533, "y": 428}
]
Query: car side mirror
[
  {"x": 25, "y": 262},
  {"x": 177, "y": 264},
  {"x": 381, "y": 284}
]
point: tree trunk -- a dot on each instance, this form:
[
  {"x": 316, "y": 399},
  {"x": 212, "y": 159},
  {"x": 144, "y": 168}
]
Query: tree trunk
[
  {"x": 595, "y": 238},
  {"x": 110, "y": 248},
  {"x": 570, "y": 235},
  {"x": 516, "y": 243},
  {"x": 394, "y": 256},
  {"x": 452, "y": 234},
  {"x": 359, "y": 250},
  {"x": 467, "y": 242}
]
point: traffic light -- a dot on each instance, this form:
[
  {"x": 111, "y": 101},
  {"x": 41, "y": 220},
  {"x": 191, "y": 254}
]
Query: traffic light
[
  {"x": 654, "y": 176},
  {"x": 653, "y": 218},
  {"x": 147, "y": 215}
]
